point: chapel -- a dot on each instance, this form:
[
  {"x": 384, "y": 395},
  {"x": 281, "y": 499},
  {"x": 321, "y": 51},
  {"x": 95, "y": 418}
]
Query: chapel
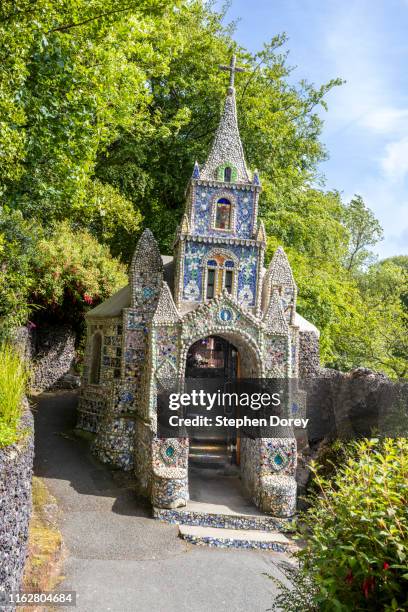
[{"x": 211, "y": 307}]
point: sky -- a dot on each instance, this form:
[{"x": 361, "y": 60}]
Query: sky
[{"x": 364, "y": 42}]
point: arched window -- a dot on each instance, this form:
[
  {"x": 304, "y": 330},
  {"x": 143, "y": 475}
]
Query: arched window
[
  {"x": 227, "y": 174},
  {"x": 219, "y": 276},
  {"x": 96, "y": 353},
  {"x": 223, "y": 214}
]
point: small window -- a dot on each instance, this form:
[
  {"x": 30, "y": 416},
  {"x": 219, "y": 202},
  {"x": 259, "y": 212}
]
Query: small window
[
  {"x": 227, "y": 174},
  {"x": 94, "y": 378},
  {"x": 210, "y": 284},
  {"x": 228, "y": 280},
  {"x": 223, "y": 214}
]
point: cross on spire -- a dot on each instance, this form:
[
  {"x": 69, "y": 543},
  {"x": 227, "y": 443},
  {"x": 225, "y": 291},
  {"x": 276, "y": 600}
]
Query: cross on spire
[{"x": 232, "y": 69}]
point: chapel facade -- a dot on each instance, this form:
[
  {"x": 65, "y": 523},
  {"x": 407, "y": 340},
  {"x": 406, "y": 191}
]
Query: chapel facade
[{"x": 214, "y": 292}]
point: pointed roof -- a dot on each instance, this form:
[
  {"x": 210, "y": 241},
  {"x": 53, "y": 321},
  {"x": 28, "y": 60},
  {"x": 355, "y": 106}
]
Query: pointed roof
[
  {"x": 166, "y": 311},
  {"x": 279, "y": 271},
  {"x": 227, "y": 145},
  {"x": 274, "y": 317},
  {"x": 261, "y": 233},
  {"x": 185, "y": 225},
  {"x": 196, "y": 170},
  {"x": 147, "y": 256}
]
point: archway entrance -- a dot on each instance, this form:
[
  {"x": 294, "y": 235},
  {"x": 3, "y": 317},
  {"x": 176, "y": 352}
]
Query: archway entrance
[{"x": 212, "y": 363}]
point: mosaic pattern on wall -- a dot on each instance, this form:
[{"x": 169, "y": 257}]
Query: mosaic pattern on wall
[
  {"x": 243, "y": 202},
  {"x": 247, "y": 272}
]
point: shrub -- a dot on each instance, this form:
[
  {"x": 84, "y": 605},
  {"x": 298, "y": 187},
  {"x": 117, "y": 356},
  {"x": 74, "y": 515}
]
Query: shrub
[
  {"x": 18, "y": 239},
  {"x": 51, "y": 276},
  {"x": 356, "y": 533},
  {"x": 73, "y": 273},
  {"x": 13, "y": 381}
]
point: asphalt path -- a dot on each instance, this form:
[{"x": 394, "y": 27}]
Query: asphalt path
[{"x": 117, "y": 557}]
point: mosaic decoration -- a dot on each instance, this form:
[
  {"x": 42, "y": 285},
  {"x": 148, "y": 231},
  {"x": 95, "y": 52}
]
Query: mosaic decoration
[
  {"x": 170, "y": 453},
  {"x": 196, "y": 255},
  {"x": 227, "y": 145},
  {"x": 169, "y": 493},
  {"x": 166, "y": 342},
  {"x": 148, "y": 327},
  {"x": 276, "y": 356},
  {"x": 226, "y": 315},
  {"x": 182, "y": 516}
]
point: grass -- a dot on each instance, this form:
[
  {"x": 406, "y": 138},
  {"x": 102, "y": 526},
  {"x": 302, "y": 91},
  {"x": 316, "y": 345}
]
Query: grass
[
  {"x": 13, "y": 381},
  {"x": 42, "y": 571}
]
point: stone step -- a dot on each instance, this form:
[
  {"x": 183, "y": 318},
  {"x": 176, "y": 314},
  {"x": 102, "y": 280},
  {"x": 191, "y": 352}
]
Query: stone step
[
  {"x": 221, "y": 517},
  {"x": 235, "y": 538}
]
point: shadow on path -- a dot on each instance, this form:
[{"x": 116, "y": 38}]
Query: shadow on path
[
  {"x": 118, "y": 558},
  {"x": 60, "y": 454}
]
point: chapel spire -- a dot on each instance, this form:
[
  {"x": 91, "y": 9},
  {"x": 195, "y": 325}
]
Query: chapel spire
[{"x": 227, "y": 151}]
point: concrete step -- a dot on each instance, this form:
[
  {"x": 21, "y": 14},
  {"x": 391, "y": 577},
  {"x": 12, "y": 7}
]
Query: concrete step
[
  {"x": 209, "y": 455},
  {"x": 235, "y": 538},
  {"x": 222, "y": 517}
]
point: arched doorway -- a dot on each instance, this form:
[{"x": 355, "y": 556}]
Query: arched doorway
[{"x": 212, "y": 364}]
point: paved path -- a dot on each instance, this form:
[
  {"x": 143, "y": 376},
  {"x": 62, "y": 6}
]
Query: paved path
[{"x": 119, "y": 558}]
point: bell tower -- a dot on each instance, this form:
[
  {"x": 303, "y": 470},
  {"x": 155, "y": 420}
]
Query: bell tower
[{"x": 220, "y": 244}]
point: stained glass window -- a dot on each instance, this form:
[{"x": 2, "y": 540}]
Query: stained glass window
[{"x": 223, "y": 214}]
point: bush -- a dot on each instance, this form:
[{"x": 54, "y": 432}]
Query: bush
[
  {"x": 18, "y": 239},
  {"x": 73, "y": 273},
  {"x": 51, "y": 276},
  {"x": 356, "y": 533},
  {"x": 13, "y": 381}
]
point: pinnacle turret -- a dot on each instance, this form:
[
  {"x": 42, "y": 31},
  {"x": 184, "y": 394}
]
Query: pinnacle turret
[{"x": 227, "y": 151}]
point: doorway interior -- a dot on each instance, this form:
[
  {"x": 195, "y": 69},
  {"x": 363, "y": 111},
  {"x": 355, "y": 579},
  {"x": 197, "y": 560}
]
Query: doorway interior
[{"x": 212, "y": 363}]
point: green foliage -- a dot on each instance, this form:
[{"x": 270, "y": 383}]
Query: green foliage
[
  {"x": 278, "y": 122},
  {"x": 104, "y": 107},
  {"x": 365, "y": 231},
  {"x": 73, "y": 272},
  {"x": 383, "y": 341},
  {"x": 72, "y": 75},
  {"x": 18, "y": 239},
  {"x": 356, "y": 532},
  {"x": 55, "y": 275},
  {"x": 13, "y": 382}
]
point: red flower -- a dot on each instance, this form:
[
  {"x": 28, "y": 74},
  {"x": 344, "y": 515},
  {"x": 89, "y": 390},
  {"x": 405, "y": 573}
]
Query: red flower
[
  {"x": 349, "y": 577},
  {"x": 386, "y": 565},
  {"x": 88, "y": 298}
]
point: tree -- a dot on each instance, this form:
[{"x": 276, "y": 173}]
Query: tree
[
  {"x": 365, "y": 231},
  {"x": 105, "y": 106},
  {"x": 383, "y": 288},
  {"x": 72, "y": 75}
]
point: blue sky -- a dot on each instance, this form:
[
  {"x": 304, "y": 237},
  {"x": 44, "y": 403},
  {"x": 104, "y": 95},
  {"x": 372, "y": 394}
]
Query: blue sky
[{"x": 364, "y": 42}]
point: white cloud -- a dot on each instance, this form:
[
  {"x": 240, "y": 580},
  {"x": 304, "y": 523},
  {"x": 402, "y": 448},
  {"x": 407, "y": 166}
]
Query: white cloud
[
  {"x": 386, "y": 119},
  {"x": 395, "y": 161}
]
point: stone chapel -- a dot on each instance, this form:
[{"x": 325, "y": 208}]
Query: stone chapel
[{"x": 212, "y": 305}]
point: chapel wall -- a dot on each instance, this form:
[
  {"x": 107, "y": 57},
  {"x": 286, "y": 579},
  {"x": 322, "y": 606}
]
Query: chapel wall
[{"x": 309, "y": 355}]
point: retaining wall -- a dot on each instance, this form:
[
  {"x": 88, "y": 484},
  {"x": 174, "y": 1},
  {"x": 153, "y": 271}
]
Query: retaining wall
[{"x": 16, "y": 464}]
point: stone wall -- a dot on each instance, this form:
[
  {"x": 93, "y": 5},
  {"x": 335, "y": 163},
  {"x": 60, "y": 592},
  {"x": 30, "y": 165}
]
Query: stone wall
[
  {"x": 51, "y": 351},
  {"x": 350, "y": 405},
  {"x": 16, "y": 463}
]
